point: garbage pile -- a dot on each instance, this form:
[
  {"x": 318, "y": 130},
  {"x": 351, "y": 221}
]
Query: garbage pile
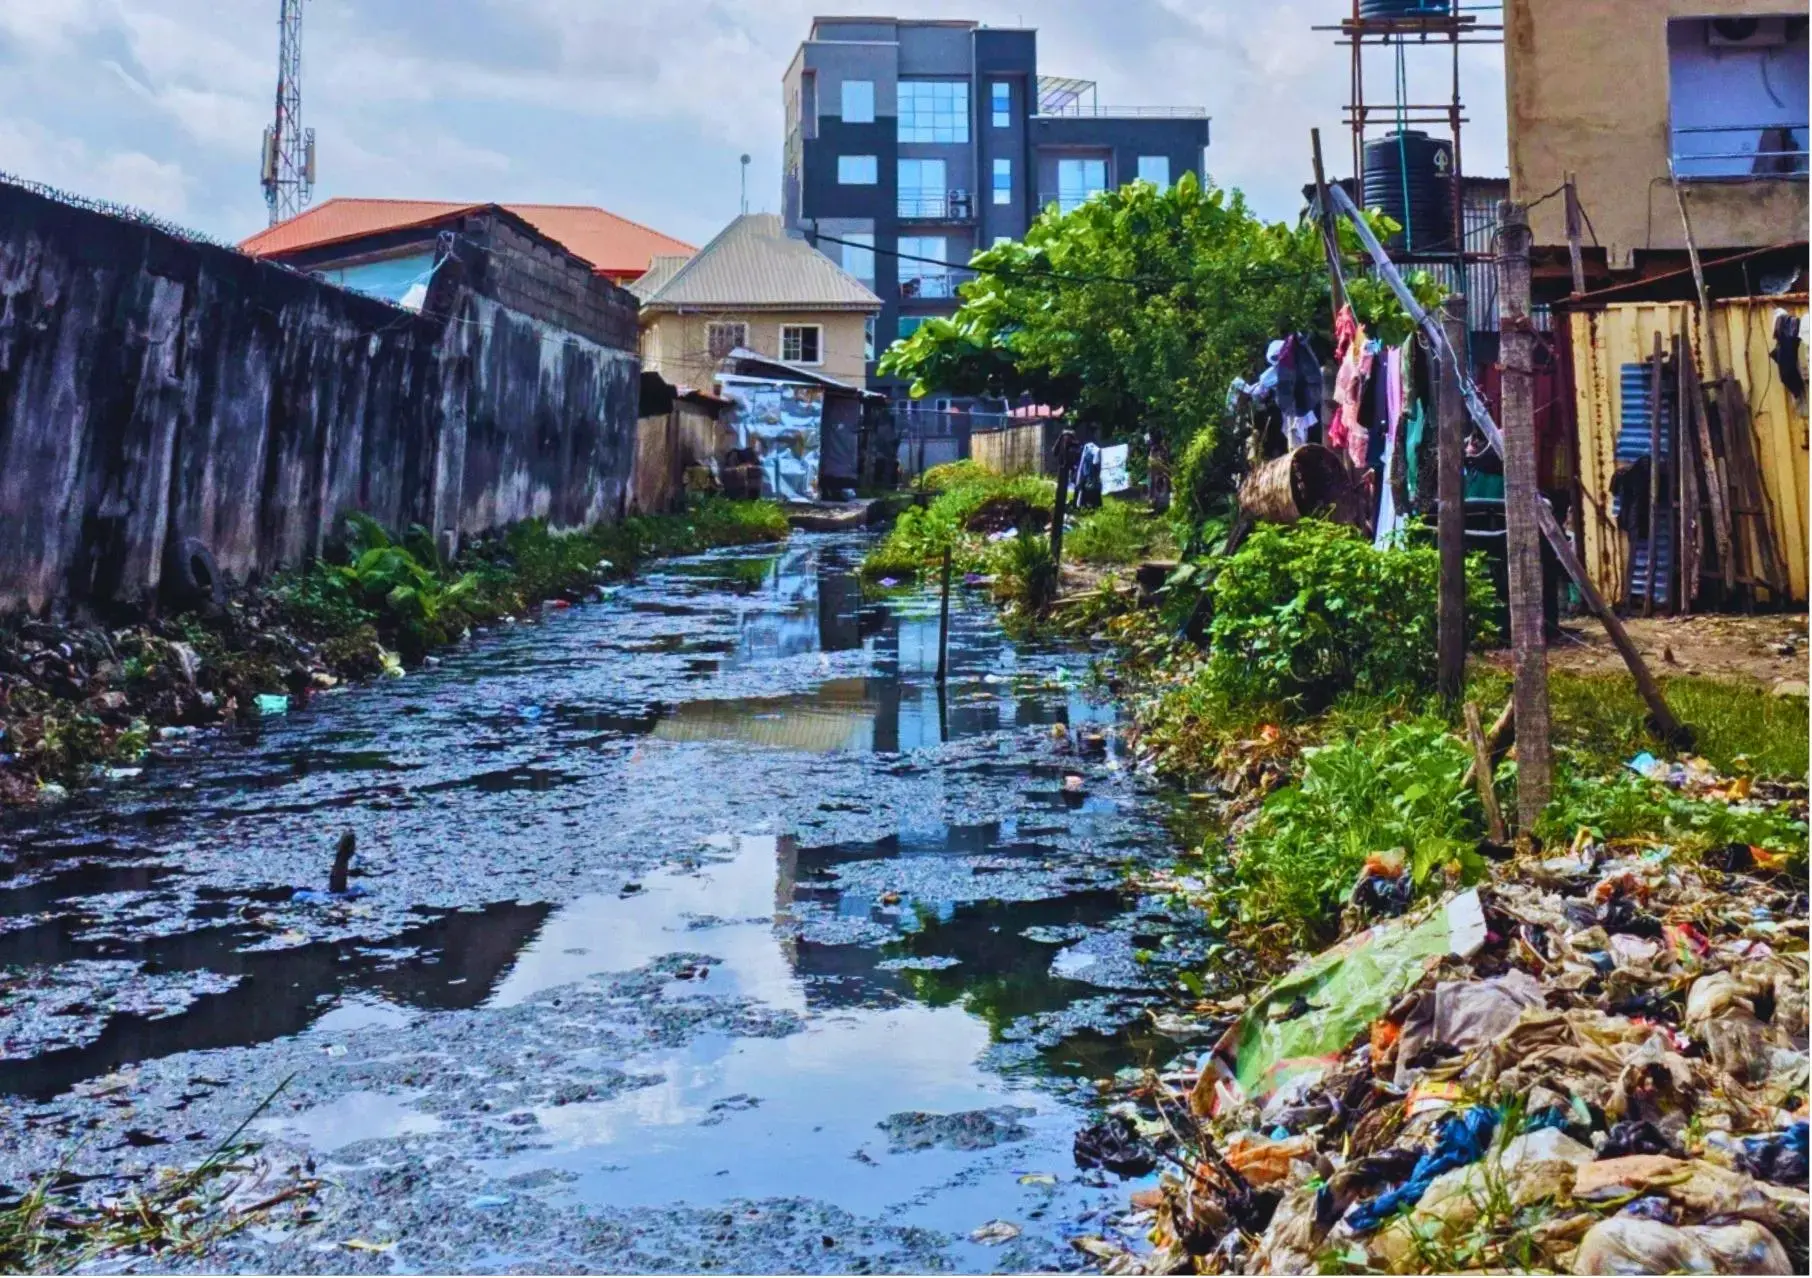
[{"x": 1596, "y": 1063}]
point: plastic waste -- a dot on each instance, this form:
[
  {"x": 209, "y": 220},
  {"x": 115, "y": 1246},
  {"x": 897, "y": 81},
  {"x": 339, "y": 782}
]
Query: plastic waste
[
  {"x": 1460, "y": 1139},
  {"x": 1265, "y": 1161},
  {"x": 271, "y": 704},
  {"x": 1114, "y": 1144},
  {"x": 1637, "y": 1138},
  {"x": 1626, "y": 1244},
  {"x": 1779, "y": 1157}
]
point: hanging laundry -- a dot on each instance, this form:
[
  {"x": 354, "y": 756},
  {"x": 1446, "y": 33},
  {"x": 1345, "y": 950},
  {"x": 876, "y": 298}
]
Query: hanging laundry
[
  {"x": 1390, "y": 519},
  {"x": 1786, "y": 353},
  {"x": 1412, "y": 446},
  {"x": 1298, "y": 379},
  {"x": 1347, "y": 433}
]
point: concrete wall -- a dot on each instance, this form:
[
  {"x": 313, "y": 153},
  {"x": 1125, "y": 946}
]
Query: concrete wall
[
  {"x": 1561, "y": 60},
  {"x": 677, "y": 346},
  {"x": 153, "y": 389}
]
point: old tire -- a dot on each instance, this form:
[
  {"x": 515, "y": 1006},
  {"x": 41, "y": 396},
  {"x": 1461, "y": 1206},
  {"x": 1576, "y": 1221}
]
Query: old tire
[{"x": 191, "y": 577}]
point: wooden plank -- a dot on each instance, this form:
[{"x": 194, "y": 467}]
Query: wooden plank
[
  {"x": 1573, "y": 251},
  {"x": 1450, "y": 510},
  {"x": 1523, "y": 502},
  {"x": 1686, "y": 510},
  {"x": 1654, "y": 476},
  {"x": 1482, "y": 775},
  {"x": 1713, "y": 475}
]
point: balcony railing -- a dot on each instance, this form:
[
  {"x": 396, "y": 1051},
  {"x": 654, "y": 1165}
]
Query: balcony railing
[
  {"x": 1089, "y": 111},
  {"x": 927, "y": 206},
  {"x": 933, "y": 286},
  {"x": 1066, "y": 201},
  {"x": 1740, "y": 150}
]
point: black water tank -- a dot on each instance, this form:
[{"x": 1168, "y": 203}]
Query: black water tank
[
  {"x": 1427, "y": 217},
  {"x": 1374, "y": 10}
]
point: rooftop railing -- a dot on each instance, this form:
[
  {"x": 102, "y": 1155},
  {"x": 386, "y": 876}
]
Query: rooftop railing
[
  {"x": 1089, "y": 111},
  {"x": 1740, "y": 150}
]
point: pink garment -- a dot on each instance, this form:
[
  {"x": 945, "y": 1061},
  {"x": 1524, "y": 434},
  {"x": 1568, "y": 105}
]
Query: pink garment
[{"x": 1349, "y": 386}]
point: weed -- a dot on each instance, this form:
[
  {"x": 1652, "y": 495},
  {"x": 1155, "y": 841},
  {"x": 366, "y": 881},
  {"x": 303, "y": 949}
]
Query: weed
[
  {"x": 1024, "y": 571},
  {"x": 1305, "y": 613},
  {"x": 1626, "y": 806},
  {"x": 1118, "y": 533},
  {"x": 972, "y": 503}
]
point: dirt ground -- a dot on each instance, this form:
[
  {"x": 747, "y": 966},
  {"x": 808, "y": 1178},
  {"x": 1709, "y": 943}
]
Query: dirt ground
[{"x": 1768, "y": 649}]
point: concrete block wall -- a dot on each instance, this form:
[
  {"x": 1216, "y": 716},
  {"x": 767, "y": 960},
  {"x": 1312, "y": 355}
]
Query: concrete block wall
[{"x": 152, "y": 389}]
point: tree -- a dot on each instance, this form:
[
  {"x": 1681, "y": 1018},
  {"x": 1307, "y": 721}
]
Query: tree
[{"x": 1137, "y": 308}]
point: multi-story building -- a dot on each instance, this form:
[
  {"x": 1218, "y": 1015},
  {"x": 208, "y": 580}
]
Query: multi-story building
[{"x": 912, "y": 144}]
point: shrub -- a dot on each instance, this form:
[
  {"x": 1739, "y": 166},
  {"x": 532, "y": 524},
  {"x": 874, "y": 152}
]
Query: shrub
[
  {"x": 1024, "y": 571},
  {"x": 975, "y": 502},
  {"x": 1626, "y": 806},
  {"x": 1118, "y": 533},
  {"x": 1305, "y": 612},
  {"x": 1394, "y": 789}
]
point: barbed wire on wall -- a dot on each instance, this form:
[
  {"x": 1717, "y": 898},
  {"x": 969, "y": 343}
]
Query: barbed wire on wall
[{"x": 126, "y": 212}]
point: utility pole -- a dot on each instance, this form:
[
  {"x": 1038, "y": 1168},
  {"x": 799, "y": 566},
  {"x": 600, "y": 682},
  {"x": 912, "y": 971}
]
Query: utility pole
[
  {"x": 1522, "y": 497},
  {"x": 1451, "y": 516},
  {"x": 287, "y": 164}
]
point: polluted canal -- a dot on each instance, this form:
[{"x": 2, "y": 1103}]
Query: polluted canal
[{"x": 691, "y": 929}]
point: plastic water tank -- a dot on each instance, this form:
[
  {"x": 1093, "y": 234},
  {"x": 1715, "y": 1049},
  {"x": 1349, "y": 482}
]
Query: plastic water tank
[
  {"x": 1409, "y": 176},
  {"x": 1376, "y": 10}
]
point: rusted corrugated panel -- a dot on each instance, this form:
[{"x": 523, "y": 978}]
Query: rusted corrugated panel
[{"x": 1606, "y": 339}]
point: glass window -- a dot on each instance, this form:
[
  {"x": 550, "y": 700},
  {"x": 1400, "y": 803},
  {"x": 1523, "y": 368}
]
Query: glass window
[
  {"x": 1156, "y": 170},
  {"x": 924, "y": 266},
  {"x": 857, "y": 170},
  {"x": 1003, "y": 181},
  {"x": 923, "y": 192},
  {"x": 859, "y": 255},
  {"x": 721, "y": 339},
  {"x": 1000, "y": 95},
  {"x": 858, "y": 102},
  {"x": 1001, "y": 239},
  {"x": 868, "y": 339},
  {"x": 909, "y": 324},
  {"x": 934, "y": 111},
  {"x": 1079, "y": 179},
  {"x": 799, "y": 343}
]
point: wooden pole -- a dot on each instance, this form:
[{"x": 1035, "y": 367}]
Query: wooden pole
[
  {"x": 1059, "y": 509},
  {"x": 1665, "y": 724},
  {"x": 1713, "y": 473},
  {"x": 1484, "y": 775},
  {"x": 1523, "y": 501},
  {"x": 1654, "y": 476},
  {"x": 1330, "y": 238},
  {"x": 1573, "y": 249},
  {"x": 1450, "y": 508},
  {"x": 943, "y": 622},
  {"x": 1686, "y": 508}
]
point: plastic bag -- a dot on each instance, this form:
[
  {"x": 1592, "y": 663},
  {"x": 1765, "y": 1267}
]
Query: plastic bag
[{"x": 1634, "y": 1245}]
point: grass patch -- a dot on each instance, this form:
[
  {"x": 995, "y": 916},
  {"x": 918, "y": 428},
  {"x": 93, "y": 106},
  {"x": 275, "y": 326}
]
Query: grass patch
[
  {"x": 971, "y": 504},
  {"x": 1121, "y": 532}
]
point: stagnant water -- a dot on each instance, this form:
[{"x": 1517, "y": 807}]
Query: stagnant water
[{"x": 697, "y": 928}]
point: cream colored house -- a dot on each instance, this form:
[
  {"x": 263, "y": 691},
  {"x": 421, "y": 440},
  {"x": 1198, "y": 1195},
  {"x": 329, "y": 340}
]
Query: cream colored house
[
  {"x": 1626, "y": 93},
  {"x": 755, "y": 288}
]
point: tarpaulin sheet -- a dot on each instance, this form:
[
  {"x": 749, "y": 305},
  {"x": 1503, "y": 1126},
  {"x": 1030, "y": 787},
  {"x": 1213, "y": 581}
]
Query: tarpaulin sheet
[
  {"x": 1344, "y": 990},
  {"x": 781, "y": 421}
]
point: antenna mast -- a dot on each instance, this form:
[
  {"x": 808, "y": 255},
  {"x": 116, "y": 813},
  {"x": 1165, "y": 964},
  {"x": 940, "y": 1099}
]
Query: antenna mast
[{"x": 287, "y": 167}]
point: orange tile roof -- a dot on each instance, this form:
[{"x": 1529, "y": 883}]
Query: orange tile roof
[{"x": 614, "y": 245}]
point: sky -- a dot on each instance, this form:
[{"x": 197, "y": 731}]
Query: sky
[{"x": 641, "y": 106}]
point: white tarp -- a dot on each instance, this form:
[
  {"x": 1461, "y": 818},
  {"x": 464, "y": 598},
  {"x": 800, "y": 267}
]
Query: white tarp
[
  {"x": 1114, "y": 478},
  {"x": 781, "y": 422}
]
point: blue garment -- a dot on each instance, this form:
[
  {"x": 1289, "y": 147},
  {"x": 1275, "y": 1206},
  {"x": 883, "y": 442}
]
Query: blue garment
[{"x": 1460, "y": 1140}]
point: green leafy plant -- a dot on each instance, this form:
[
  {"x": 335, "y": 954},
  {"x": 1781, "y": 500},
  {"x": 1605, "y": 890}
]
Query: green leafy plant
[
  {"x": 1626, "y": 806},
  {"x": 1396, "y": 789},
  {"x": 1118, "y": 533},
  {"x": 1024, "y": 570},
  {"x": 1305, "y": 612},
  {"x": 972, "y": 504}
]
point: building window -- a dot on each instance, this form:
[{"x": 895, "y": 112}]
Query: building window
[
  {"x": 858, "y": 102},
  {"x": 934, "y": 111},
  {"x": 868, "y": 339},
  {"x": 1001, "y": 239},
  {"x": 722, "y": 338},
  {"x": 1156, "y": 170},
  {"x": 1737, "y": 96},
  {"x": 1077, "y": 180},
  {"x": 1000, "y": 95},
  {"x": 857, "y": 170},
  {"x": 859, "y": 255},
  {"x": 922, "y": 189},
  {"x": 924, "y": 266},
  {"x": 910, "y": 324},
  {"x": 1003, "y": 181},
  {"x": 801, "y": 343}
]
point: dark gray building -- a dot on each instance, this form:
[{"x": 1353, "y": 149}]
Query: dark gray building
[{"x": 932, "y": 139}]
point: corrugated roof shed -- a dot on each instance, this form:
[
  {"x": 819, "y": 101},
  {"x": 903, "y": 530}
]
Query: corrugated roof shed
[
  {"x": 615, "y": 246},
  {"x": 753, "y": 264}
]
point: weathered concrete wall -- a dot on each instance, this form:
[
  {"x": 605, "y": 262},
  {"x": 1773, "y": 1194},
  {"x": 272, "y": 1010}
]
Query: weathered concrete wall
[
  {"x": 153, "y": 389},
  {"x": 1588, "y": 92}
]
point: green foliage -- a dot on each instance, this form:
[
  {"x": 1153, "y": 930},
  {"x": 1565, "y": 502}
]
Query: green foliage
[
  {"x": 1397, "y": 789},
  {"x": 1118, "y": 533},
  {"x": 1139, "y": 306},
  {"x": 1204, "y": 477},
  {"x": 1024, "y": 571},
  {"x": 1376, "y": 307},
  {"x": 956, "y": 474},
  {"x": 1305, "y": 612},
  {"x": 972, "y": 503},
  {"x": 1626, "y": 806}
]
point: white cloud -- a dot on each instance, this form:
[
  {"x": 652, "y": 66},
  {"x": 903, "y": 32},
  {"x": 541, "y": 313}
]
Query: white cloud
[{"x": 124, "y": 177}]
